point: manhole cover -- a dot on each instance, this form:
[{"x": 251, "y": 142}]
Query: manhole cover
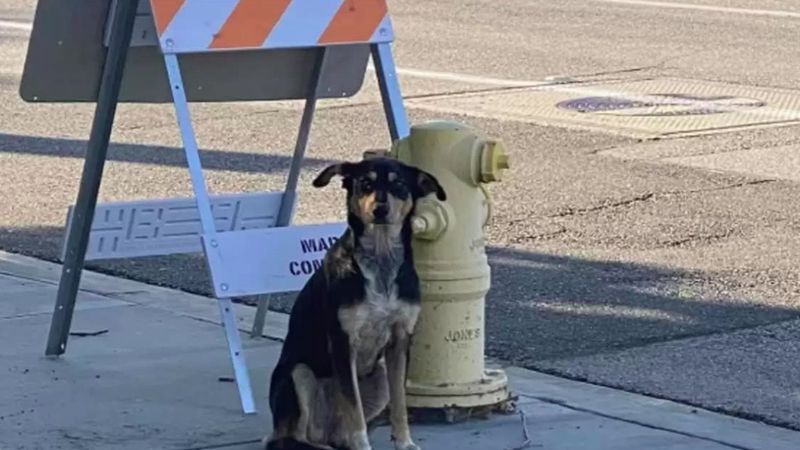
[
  {"x": 661, "y": 105},
  {"x": 641, "y": 108}
]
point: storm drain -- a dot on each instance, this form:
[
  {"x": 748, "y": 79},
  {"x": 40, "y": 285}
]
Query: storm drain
[{"x": 642, "y": 108}]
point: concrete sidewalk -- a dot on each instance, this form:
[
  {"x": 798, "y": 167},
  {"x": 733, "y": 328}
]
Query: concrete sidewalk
[{"x": 152, "y": 381}]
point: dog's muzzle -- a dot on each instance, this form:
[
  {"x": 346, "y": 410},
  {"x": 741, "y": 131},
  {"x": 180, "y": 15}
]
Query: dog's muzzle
[{"x": 380, "y": 213}]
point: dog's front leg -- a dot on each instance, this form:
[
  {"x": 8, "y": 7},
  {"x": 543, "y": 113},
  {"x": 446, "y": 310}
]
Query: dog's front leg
[
  {"x": 396, "y": 364},
  {"x": 354, "y": 425}
]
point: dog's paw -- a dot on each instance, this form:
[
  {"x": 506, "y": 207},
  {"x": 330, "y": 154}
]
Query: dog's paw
[
  {"x": 410, "y": 445},
  {"x": 360, "y": 441}
]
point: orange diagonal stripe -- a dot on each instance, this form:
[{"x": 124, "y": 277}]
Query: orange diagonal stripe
[
  {"x": 164, "y": 11},
  {"x": 355, "y": 21},
  {"x": 250, "y": 23}
]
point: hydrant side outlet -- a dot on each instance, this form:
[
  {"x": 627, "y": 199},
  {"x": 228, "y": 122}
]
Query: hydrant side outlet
[{"x": 447, "y": 362}]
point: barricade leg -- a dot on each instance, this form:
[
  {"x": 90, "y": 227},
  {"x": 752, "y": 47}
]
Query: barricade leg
[
  {"x": 190, "y": 144},
  {"x": 237, "y": 355},
  {"x": 208, "y": 227},
  {"x": 290, "y": 193},
  {"x": 81, "y": 223},
  {"x": 262, "y": 308},
  {"x": 390, "y": 90}
]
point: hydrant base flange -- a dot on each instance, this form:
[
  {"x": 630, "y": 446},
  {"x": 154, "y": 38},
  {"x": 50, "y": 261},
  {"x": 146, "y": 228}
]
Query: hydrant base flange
[{"x": 492, "y": 389}]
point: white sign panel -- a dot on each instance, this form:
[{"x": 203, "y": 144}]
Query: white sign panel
[
  {"x": 265, "y": 261},
  {"x": 171, "y": 226}
]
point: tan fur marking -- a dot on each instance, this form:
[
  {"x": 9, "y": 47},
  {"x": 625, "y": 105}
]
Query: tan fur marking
[
  {"x": 305, "y": 385},
  {"x": 396, "y": 363},
  {"x": 358, "y": 438},
  {"x": 375, "y": 391},
  {"x": 365, "y": 206},
  {"x": 327, "y": 418}
]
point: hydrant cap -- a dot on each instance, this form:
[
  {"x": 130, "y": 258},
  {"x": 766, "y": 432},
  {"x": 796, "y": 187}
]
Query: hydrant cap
[{"x": 494, "y": 161}]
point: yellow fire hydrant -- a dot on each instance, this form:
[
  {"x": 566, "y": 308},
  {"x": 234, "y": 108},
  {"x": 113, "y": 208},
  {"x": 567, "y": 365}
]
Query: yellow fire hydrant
[{"x": 447, "y": 365}]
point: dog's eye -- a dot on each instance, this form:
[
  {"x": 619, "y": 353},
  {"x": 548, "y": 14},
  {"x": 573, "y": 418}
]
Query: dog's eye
[
  {"x": 366, "y": 186},
  {"x": 399, "y": 188}
]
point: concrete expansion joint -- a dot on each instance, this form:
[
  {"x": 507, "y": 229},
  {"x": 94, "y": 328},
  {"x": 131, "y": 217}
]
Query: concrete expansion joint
[{"x": 651, "y": 426}]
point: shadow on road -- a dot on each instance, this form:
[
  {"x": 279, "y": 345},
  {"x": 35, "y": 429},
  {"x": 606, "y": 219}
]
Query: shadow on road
[
  {"x": 545, "y": 306},
  {"x": 541, "y": 306},
  {"x": 160, "y": 156}
]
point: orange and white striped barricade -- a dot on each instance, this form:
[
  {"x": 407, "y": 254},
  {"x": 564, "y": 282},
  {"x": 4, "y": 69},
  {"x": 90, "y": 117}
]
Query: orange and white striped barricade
[{"x": 265, "y": 255}]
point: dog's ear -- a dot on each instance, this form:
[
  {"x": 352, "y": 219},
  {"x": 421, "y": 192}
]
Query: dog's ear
[
  {"x": 343, "y": 169},
  {"x": 428, "y": 184}
]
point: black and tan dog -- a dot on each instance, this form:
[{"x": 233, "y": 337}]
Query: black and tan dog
[{"x": 345, "y": 355}]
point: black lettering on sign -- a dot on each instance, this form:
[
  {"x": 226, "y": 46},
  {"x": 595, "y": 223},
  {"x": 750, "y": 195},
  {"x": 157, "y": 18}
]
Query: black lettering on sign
[
  {"x": 304, "y": 267},
  {"x": 308, "y": 245},
  {"x": 315, "y": 245},
  {"x": 466, "y": 334}
]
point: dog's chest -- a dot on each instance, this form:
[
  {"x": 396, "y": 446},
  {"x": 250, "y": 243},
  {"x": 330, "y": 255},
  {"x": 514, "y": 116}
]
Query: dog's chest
[{"x": 371, "y": 323}]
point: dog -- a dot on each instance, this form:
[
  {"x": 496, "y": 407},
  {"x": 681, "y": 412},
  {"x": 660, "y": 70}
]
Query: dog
[{"x": 345, "y": 356}]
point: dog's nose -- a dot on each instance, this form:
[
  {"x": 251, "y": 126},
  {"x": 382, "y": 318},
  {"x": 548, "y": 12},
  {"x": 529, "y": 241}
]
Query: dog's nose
[{"x": 381, "y": 211}]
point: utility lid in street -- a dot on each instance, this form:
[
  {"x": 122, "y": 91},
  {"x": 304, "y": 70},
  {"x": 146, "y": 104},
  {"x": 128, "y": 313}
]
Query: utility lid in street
[{"x": 661, "y": 107}]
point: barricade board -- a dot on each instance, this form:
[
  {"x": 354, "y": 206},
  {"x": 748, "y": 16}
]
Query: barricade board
[
  {"x": 187, "y": 26},
  {"x": 111, "y": 51},
  {"x": 267, "y": 261},
  {"x": 172, "y": 226},
  {"x": 67, "y": 49}
]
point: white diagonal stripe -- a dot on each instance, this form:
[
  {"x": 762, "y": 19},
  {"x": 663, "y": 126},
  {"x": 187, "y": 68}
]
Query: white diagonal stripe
[
  {"x": 304, "y": 21},
  {"x": 194, "y": 26}
]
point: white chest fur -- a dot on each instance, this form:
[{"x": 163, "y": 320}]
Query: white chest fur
[{"x": 372, "y": 324}]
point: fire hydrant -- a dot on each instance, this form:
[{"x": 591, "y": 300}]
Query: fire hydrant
[{"x": 447, "y": 364}]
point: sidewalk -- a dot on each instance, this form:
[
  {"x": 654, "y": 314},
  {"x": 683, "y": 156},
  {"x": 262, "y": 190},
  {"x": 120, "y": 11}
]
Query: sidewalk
[{"x": 152, "y": 381}]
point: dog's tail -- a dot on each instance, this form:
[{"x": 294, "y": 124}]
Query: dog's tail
[{"x": 288, "y": 443}]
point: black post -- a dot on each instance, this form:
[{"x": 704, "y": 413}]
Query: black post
[{"x": 83, "y": 214}]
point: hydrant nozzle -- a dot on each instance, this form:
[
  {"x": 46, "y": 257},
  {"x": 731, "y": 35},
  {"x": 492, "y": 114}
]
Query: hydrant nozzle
[
  {"x": 431, "y": 219},
  {"x": 493, "y": 161}
]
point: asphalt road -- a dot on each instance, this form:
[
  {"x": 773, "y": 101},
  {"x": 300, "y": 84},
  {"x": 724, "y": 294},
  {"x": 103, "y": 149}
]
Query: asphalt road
[{"x": 614, "y": 260}]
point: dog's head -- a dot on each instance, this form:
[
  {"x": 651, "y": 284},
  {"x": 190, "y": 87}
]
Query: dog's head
[{"x": 381, "y": 191}]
